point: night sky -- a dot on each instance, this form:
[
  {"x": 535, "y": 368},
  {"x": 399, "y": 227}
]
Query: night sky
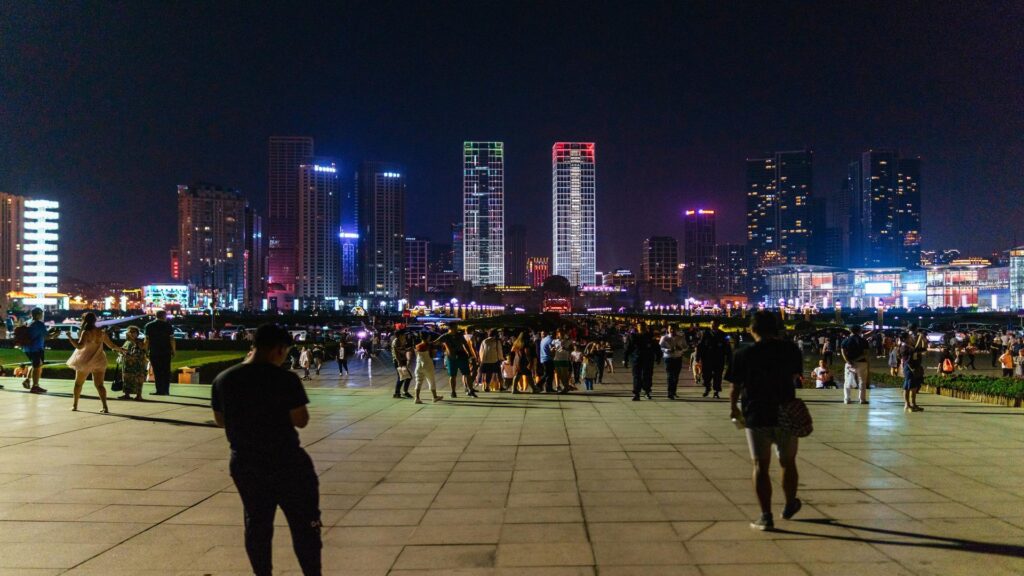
[{"x": 107, "y": 107}]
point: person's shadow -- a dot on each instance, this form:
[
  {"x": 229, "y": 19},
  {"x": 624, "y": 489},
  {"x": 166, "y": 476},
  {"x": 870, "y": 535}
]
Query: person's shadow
[{"x": 936, "y": 542}]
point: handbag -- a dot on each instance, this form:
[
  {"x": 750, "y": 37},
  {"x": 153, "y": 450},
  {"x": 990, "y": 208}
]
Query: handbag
[
  {"x": 795, "y": 418},
  {"x": 403, "y": 373}
]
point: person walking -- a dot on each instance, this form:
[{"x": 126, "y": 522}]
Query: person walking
[
  {"x": 858, "y": 368},
  {"x": 343, "y": 353},
  {"x": 672, "y": 347},
  {"x": 90, "y": 359},
  {"x": 32, "y": 338},
  {"x": 260, "y": 404},
  {"x": 642, "y": 352},
  {"x": 522, "y": 361},
  {"x": 456, "y": 359},
  {"x": 425, "y": 368},
  {"x": 713, "y": 352},
  {"x": 305, "y": 360},
  {"x": 133, "y": 365},
  {"x": 762, "y": 379},
  {"x": 318, "y": 358},
  {"x": 161, "y": 347}
]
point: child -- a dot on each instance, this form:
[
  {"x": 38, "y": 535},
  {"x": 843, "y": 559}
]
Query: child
[
  {"x": 822, "y": 376},
  {"x": 589, "y": 372}
]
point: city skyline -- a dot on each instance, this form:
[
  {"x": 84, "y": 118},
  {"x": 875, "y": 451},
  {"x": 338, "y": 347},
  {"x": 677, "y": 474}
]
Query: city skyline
[{"x": 676, "y": 96}]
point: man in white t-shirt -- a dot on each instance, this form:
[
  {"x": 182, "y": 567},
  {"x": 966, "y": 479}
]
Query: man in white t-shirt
[{"x": 822, "y": 375}]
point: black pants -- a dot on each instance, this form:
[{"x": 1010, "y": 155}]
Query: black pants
[
  {"x": 712, "y": 375},
  {"x": 161, "y": 373},
  {"x": 402, "y": 386},
  {"x": 643, "y": 377},
  {"x": 995, "y": 357},
  {"x": 601, "y": 361},
  {"x": 342, "y": 366},
  {"x": 673, "y": 366},
  {"x": 548, "y": 379},
  {"x": 292, "y": 485}
]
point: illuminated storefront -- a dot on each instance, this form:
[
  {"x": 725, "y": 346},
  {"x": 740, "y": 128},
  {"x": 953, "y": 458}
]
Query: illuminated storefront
[
  {"x": 1016, "y": 278},
  {"x": 953, "y": 286},
  {"x": 994, "y": 288},
  {"x": 161, "y": 296},
  {"x": 876, "y": 287},
  {"x": 802, "y": 285}
]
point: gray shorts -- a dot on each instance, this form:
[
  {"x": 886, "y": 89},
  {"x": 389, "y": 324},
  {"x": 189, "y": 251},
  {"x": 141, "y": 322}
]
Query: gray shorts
[{"x": 760, "y": 441}]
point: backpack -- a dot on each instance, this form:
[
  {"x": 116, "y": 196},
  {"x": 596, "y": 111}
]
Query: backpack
[{"x": 22, "y": 337}]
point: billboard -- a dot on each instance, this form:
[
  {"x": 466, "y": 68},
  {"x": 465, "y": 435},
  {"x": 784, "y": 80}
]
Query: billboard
[{"x": 878, "y": 288}]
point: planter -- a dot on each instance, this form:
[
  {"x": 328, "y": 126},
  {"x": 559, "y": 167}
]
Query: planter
[{"x": 972, "y": 396}]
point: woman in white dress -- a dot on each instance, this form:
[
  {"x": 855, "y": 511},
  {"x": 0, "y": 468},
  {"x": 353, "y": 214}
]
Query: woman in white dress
[{"x": 89, "y": 358}]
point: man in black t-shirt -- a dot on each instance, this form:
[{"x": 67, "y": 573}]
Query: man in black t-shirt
[
  {"x": 260, "y": 405},
  {"x": 713, "y": 352},
  {"x": 762, "y": 379},
  {"x": 161, "y": 348}
]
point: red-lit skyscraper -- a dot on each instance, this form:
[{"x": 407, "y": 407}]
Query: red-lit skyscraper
[{"x": 538, "y": 269}]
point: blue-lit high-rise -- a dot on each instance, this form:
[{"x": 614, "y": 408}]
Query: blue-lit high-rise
[
  {"x": 318, "y": 260},
  {"x": 885, "y": 215},
  {"x": 380, "y": 188}
]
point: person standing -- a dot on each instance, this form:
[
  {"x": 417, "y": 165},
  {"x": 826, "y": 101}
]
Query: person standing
[
  {"x": 713, "y": 353},
  {"x": 912, "y": 355},
  {"x": 858, "y": 369},
  {"x": 133, "y": 365},
  {"x": 762, "y": 379},
  {"x": 305, "y": 360},
  {"x": 491, "y": 356},
  {"x": 425, "y": 368},
  {"x": 456, "y": 359},
  {"x": 343, "y": 350},
  {"x": 260, "y": 404},
  {"x": 90, "y": 359},
  {"x": 642, "y": 351},
  {"x": 672, "y": 347},
  {"x": 161, "y": 348},
  {"x": 547, "y": 361},
  {"x": 34, "y": 347}
]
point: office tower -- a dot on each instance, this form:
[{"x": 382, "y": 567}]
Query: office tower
[
  {"x": 40, "y": 252},
  {"x": 12, "y": 226},
  {"x": 211, "y": 242},
  {"x": 417, "y": 266},
  {"x": 381, "y": 193},
  {"x": 349, "y": 238},
  {"x": 659, "y": 263},
  {"x": 287, "y": 153},
  {"x": 255, "y": 261},
  {"x": 441, "y": 275},
  {"x": 318, "y": 259},
  {"x": 886, "y": 210},
  {"x": 779, "y": 191},
  {"x": 573, "y": 190},
  {"x": 733, "y": 266},
  {"x": 621, "y": 278},
  {"x": 699, "y": 253},
  {"x": 483, "y": 202},
  {"x": 538, "y": 268},
  {"x": 457, "y": 248},
  {"x": 515, "y": 260},
  {"x": 908, "y": 212}
]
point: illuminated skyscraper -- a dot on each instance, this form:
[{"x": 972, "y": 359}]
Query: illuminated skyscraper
[
  {"x": 659, "y": 263},
  {"x": 287, "y": 153},
  {"x": 318, "y": 247},
  {"x": 538, "y": 268},
  {"x": 733, "y": 267},
  {"x": 381, "y": 193},
  {"x": 699, "y": 270},
  {"x": 779, "y": 191},
  {"x": 39, "y": 252},
  {"x": 349, "y": 237},
  {"x": 483, "y": 203},
  {"x": 255, "y": 261},
  {"x": 417, "y": 265},
  {"x": 12, "y": 214},
  {"x": 211, "y": 243},
  {"x": 574, "y": 219},
  {"x": 885, "y": 210}
]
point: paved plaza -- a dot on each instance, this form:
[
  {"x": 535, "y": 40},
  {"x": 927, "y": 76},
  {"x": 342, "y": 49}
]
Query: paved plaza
[{"x": 572, "y": 485}]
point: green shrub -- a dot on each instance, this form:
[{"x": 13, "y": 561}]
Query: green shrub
[{"x": 969, "y": 383}]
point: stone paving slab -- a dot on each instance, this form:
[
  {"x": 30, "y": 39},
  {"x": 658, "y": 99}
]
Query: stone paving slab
[{"x": 575, "y": 485}]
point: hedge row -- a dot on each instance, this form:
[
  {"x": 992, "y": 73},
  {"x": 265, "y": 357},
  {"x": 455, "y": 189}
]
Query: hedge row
[{"x": 1010, "y": 388}]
